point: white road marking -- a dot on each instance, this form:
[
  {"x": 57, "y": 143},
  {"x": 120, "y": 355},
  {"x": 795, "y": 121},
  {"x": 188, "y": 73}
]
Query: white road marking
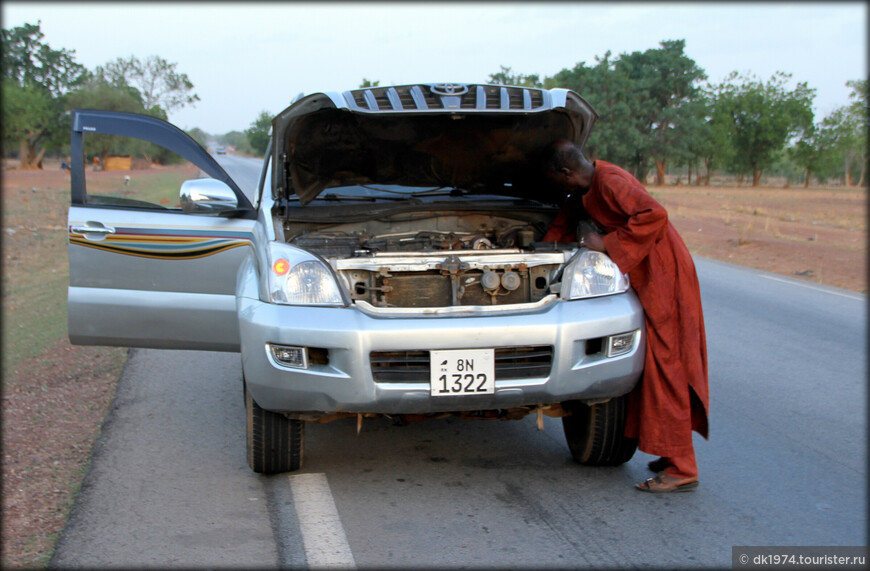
[
  {"x": 808, "y": 286},
  {"x": 322, "y": 533}
]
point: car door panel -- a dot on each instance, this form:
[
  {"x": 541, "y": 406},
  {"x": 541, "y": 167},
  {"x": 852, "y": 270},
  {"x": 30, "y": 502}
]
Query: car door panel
[{"x": 147, "y": 277}]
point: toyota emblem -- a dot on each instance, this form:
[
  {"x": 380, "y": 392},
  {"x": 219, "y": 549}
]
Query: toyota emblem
[{"x": 448, "y": 89}]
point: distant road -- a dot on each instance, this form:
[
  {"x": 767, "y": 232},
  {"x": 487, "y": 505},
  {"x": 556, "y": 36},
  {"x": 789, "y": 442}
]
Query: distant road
[{"x": 245, "y": 171}]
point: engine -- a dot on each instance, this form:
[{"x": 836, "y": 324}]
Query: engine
[{"x": 476, "y": 260}]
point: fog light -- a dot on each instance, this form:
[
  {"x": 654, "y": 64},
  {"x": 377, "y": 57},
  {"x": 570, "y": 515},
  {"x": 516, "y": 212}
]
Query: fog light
[
  {"x": 295, "y": 357},
  {"x": 620, "y": 344}
]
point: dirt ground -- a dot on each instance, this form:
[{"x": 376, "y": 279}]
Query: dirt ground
[
  {"x": 815, "y": 234},
  {"x": 53, "y": 401}
]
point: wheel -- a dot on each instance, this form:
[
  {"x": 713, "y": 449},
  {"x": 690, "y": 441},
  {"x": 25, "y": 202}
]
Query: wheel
[
  {"x": 275, "y": 442},
  {"x": 595, "y": 433}
]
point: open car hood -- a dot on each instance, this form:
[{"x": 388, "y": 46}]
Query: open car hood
[{"x": 483, "y": 138}]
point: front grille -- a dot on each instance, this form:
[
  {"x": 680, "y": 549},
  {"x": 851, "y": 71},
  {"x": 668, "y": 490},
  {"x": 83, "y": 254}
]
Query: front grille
[
  {"x": 422, "y": 97},
  {"x": 511, "y": 363}
]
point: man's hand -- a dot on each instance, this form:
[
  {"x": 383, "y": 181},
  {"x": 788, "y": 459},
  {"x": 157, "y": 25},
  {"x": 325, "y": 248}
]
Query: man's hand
[{"x": 593, "y": 241}]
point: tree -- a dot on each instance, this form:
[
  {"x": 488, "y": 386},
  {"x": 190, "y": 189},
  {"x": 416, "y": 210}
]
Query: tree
[
  {"x": 199, "y": 136},
  {"x": 96, "y": 93},
  {"x": 366, "y": 83},
  {"x": 815, "y": 150},
  {"x": 157, "y": 81},
  {"x": 664, "y": 82},
  {"x": 238, "y": 140},
  {"x": 28, "y": 116},
  {"x": 762, "y": 117},
  {"x": 618, "y": 136},
  {"x": 648, "y": 105},
  {"x": 28, "y": 61},
  {"x": 860, "y": 111},
  {"x": 505, "y": 77},
  {"x": 713, "y": 144},
  {"x": 258, "y": 132},
  {"x": 699, "y": 142},
  {"x": 35, "y": 80},
  {"x": 848, "y": 127}
]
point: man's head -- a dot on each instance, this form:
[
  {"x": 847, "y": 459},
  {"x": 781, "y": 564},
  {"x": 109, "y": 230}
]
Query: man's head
[{"x": 567, "y": 168}]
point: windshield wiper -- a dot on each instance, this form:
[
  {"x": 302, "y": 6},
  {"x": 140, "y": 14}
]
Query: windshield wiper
[
  {"x": 400, "y": 192},
  {"x": 346, "y": 197},
  {"x": 443, "y": 191}
]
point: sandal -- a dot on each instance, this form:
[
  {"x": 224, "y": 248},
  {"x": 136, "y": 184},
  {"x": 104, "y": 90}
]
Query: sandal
[{"x": 658, "y": 485}]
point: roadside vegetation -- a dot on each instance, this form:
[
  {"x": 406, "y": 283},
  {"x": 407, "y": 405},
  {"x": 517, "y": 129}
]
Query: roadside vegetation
[
  {"x": 659, "y": 114},
  {"x": 725, "y": 159}
]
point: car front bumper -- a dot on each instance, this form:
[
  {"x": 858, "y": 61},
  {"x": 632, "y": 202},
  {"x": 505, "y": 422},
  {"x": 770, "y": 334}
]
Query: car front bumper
[{"x": 573, "y": 330}]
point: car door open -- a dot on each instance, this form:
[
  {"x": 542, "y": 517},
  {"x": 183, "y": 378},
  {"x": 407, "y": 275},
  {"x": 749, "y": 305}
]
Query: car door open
[{"x": 153, "y": 250}]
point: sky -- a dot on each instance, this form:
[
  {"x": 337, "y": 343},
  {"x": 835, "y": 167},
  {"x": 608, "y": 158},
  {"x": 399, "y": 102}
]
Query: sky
[{"x": 244, "y": 58}]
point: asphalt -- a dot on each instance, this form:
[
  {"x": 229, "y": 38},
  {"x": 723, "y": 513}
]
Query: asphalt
[{"x": 785, "y": 464}]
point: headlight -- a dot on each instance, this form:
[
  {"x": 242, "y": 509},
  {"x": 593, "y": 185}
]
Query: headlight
[
  {"x": 592, "y": 274},
  {"x": 298, "y": 278}
]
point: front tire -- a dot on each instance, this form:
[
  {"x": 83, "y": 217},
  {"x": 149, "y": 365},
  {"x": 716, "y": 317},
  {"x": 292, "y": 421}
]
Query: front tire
[
  {"x": 595, "y": 433},
  {"x": 275, "y": 442}
]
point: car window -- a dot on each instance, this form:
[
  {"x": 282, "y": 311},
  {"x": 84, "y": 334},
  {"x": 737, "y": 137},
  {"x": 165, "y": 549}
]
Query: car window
[{"x": 125, "y": 171}]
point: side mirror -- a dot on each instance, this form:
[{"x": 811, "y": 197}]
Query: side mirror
[{"x": 207, "y": 196}]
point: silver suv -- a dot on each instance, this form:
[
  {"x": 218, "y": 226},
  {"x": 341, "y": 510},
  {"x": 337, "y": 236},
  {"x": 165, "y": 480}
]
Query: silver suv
[{"x": 389, "y": 262}]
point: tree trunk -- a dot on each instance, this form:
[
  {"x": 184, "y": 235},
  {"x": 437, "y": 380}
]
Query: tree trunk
[
  {"x": 847, "y": 168},
  {"x": 807, "y": 179},
  {"x": 756, "y": 176},
  {"x": 660, "y": 171},
  {"x": 863, "y": 172},
  {"x": 707, "y": 164},
  {"x": 30, "y": 159}
]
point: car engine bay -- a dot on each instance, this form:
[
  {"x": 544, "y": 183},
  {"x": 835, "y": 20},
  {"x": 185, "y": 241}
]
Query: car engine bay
[{"x": 439, "y": 259}]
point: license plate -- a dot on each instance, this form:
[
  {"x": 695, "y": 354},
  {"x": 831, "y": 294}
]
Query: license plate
[{"x": 462, "y": 372}]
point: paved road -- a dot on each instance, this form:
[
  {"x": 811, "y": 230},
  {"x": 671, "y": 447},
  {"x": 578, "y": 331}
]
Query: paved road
[
  {"x": 244, "y": 170},
  {"x": 785, "y": 465}
]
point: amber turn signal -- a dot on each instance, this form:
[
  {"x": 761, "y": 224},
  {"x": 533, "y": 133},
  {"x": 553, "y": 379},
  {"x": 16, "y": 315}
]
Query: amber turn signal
[{"x": 281, "y": 267}]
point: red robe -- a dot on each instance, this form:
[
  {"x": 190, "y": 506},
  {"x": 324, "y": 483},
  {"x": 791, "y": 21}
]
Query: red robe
[{"x": 672, "y": 398}]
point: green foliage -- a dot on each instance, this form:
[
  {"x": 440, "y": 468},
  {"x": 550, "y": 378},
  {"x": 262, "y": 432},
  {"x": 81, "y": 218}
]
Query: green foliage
[
  {"x": 29, "y": 61},
  {"x": 713, "y": 145},
  {"x": 652, "y": 110},
  {"x": 762, "y": 118},
  {"x": 664, "y": 84},
  {"x": 199, "y": 136},
  {"x": 649, "y": 105},
  {"x": 505, "y": 77},
  {"x": 258, "y": 133},
  {"x": 28, "y": 112},
  {"x": 847, "y": 128},
  {"x": 35, "y": 81},
  {"x": 366, "y": 83},
  {"x": 814, "y": 153},
  {"x": 239, "y": 140},
  {"x": 156, "y": 80},
  {"x": 96, "y": 93},
  {"x": 618, "y": 136}
]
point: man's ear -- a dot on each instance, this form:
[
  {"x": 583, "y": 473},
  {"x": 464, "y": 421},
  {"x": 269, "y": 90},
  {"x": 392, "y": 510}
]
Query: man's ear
[{"x": 565, "y": 171}]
